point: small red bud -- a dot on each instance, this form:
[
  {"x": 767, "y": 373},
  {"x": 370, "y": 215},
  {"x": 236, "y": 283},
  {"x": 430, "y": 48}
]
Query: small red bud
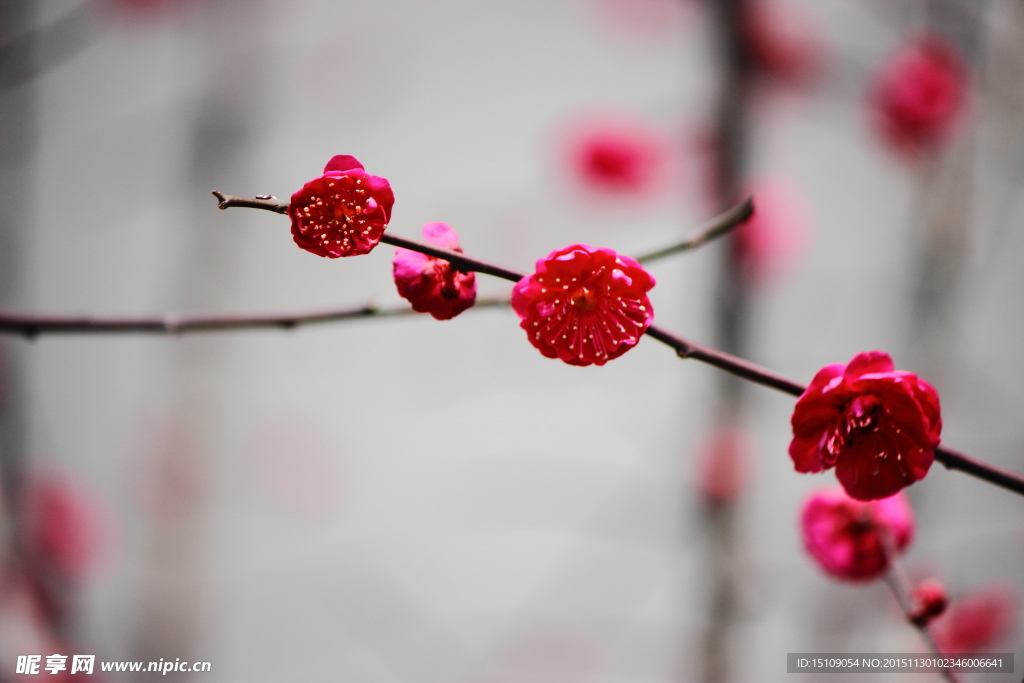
[{"x": 928, "y": 601}]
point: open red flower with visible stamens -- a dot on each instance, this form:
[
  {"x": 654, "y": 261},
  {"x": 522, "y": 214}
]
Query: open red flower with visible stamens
[
  {"x": 343, "y": 212},
  {"x": 584, "y": 305},
  {"x": 877, "y": 426},
  {"x": 433, "y": 285},
  {"x": 851, "y": 540}
]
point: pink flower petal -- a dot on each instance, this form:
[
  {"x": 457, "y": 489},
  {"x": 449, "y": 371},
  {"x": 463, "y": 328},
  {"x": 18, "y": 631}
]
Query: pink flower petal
[
  {"x": 433, "y": 285},
  {"x": 343, "y": 163}
]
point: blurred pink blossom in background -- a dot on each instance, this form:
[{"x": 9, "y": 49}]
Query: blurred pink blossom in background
[
  {"x": 978, "y": 621},
  {"x": 919, "y": 95},
  {"x": 769, "y": 244},
  {"x": 644, "y": 19},
  {"x": 300, "y": 466},
  {"x": 784, "y": 43},
  {"x": 148, "y": 9},
  {"x": 724, "y": 465},
  {"x": 846, "y": 537},
  {"x": 549, "y": 656},
  {"x": 617, "y": 156},
  {"x": 68, "y": 530}
]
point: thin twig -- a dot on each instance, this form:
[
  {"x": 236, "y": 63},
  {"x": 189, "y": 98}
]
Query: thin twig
[
  {"x": 686, "y": 348},
  {"x": 457, "y": 259},
  {"x": 955, "y": 460},
  {"x": 460, "y": 261},
  {"x": 264, "y": 201},
  {"x": 716, "y": 227},
  {"x": 899, "y": 584},
  {"x": 31, "y": 326}
]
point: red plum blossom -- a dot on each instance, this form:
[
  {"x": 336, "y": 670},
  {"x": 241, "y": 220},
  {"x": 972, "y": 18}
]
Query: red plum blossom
[
  {"x": 877, "y": 426},
  {"x": 433, "y": 285},
  {"x": 849, "y": 538},
  {"x": 584, "y": 305},
  {"x": 343, "y": 212}
]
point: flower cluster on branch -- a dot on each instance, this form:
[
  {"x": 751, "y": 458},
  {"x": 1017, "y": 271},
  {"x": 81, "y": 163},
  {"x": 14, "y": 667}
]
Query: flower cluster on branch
[{"x": 877, "y": 426}]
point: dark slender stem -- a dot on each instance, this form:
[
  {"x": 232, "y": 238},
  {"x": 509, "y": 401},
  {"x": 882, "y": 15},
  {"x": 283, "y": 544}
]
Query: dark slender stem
[
  {"x": 264, "y": 201},
  {"x": 34, "y": 325},
  {"x": 459, "y": 260},
  {"x": 716, "y": 227},
  {"x": 686, "y": 348},
  {"x": 899, "y": 584},
  {"x": 955, "y": 460}
]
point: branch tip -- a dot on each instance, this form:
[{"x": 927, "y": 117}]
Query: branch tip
[{"x": 713, "y": 229}]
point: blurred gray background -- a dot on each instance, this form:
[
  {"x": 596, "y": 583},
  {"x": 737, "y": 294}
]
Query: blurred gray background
[{"x": 404, "y": 500}]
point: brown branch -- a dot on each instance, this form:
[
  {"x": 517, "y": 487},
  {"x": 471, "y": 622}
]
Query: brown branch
[
  {"x": 744, "y": 369},
  {"x": 457, "y": 259},
  {"x": 262, "y": 201},
  {"x": 460, "y": 261},
  {"x": 30, "y": 326},
  {"x": 899, "y": 584},
  {"x": 955, "y": 460},
  {"x": 716, "y": 227}
]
